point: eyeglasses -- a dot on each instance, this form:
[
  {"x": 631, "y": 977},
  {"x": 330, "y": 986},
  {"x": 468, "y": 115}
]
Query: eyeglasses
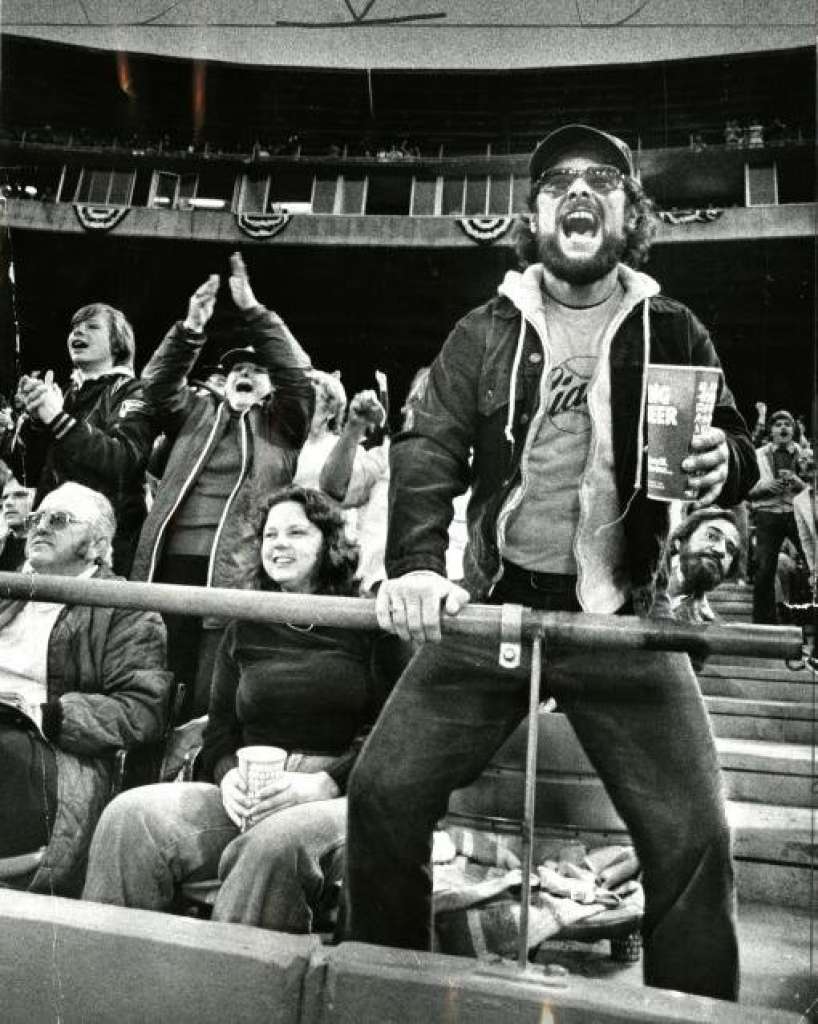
[
  {"x": 713, "y": 535},
  {"x": 56, "y": 520},
  {"x": 601, "y": 177}
]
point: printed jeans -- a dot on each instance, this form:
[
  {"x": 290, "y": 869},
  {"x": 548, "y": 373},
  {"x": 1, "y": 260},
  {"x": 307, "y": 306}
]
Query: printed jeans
[
  {"x": 276, "y": 875},
  {"x": 642, "y": 722}
]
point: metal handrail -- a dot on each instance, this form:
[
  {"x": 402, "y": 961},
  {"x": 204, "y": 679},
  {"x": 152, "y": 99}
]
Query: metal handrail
[
  {"x": 488, "y": 621},
  {"x": 559, "y": 628}
]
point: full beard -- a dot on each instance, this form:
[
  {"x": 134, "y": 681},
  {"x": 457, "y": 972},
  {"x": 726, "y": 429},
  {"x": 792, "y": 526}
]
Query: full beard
[
  {"x": 583, "y": 269},
  {"x": 699, "y": 575}
]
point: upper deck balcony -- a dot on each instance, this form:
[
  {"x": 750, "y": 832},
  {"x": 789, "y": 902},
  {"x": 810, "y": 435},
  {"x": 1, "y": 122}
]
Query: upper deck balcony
[{"x": 710, "y": 192}]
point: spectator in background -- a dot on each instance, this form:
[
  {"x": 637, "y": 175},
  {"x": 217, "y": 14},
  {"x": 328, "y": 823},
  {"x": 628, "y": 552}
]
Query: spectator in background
[
  {"x": 802, "y": 436},
  {"x": 334, "y": 460},
  {"x": 78, "y": 683},
  {"x": 772, "y": 504},
  {"x": 733, "y": 136},
  {"x": 806, "y": 515},
  {"x": 17, "y": 502},
  {"x": 325, "y": 426},
  {"x": 226, "y": 454},
  {"x": 358, "y": 478},
  {"x": 100, "y": 433},
  {"x": 704, "y": 552},
  {"x": 760, "y": 425}
]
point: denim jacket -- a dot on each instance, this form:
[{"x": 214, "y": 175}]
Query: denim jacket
[{"x": 482, "y": 399}]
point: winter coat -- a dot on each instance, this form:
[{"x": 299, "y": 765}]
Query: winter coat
[
  {"x": 102, "y": 439},
  {"x": 107, "y": 690},
  {"x": 271, "y": 435},
  {"x": 484, "y": 394}
]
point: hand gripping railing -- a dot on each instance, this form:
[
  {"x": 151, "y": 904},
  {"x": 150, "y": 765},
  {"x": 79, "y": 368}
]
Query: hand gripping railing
[{"x": 505, "y": 625}]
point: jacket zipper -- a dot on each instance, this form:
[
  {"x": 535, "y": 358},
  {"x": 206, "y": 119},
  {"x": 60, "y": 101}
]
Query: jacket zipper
[
  {"x": 516, "y": 496},
  {"x": 604, "y": 351},
  {"x": 229, "y": 502},
  {"x": 182, "y": 493}
]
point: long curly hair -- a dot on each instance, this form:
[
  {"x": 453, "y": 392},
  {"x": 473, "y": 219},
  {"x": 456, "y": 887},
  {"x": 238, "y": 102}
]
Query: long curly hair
[
  {"x": 339, "y": 555},
  {"x": 641, "y": 224}
]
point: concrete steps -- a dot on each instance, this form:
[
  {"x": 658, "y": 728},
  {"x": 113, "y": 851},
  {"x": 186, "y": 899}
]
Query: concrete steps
[
  {"x": 733, "y": 602},
  {"x": 765, "y": 717},
  {"x": 775, "y": 721}
]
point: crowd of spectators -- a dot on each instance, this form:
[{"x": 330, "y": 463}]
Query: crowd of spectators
[
  {"x": 747, "y": 133},
  {"x": 258, "y": 474}
]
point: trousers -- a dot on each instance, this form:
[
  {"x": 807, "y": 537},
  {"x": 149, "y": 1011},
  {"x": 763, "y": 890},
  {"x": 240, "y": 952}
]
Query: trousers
[
  {"x": 772, "y": 528},
  {"x": 275, "y": 875},
  {"x": 642, "y": 722}
]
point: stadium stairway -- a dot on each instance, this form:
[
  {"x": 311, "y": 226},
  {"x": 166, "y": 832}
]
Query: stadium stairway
[{"x": 764, "y": 716}]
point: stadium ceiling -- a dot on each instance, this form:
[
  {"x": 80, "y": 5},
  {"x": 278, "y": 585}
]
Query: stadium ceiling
[{"x": 423, "y": 34}]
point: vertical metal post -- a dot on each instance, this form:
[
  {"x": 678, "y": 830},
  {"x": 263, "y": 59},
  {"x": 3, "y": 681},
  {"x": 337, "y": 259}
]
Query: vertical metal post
[{"x": 530, "y": 796}]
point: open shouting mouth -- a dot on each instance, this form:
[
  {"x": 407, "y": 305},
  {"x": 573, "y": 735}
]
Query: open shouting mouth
[{"x": 580, "y": 222}]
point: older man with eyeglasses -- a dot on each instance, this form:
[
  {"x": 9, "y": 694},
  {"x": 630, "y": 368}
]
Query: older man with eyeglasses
[
  {"x": 77, "y": 684},
  {"x": 545, "y": 386}
]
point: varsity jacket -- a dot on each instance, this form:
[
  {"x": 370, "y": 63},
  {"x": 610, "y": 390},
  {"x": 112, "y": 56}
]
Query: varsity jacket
[
  {"x": 486, "y": 391},
  {"x": 102, "y": 439},
  {"x": 271, "y": 435}
]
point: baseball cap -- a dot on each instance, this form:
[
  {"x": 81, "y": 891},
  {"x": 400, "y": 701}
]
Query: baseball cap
[
  {"x": 782, "y": 414},
  {"x": 239, "y": 355},
  {"x": 550, "y": 149},
  {"x": 208, "y": 370}
]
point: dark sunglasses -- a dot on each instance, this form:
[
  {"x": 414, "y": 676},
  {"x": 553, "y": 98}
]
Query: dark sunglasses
[
  {"x": 602, "y": 178},
  {"x": 54, "y": 520}
]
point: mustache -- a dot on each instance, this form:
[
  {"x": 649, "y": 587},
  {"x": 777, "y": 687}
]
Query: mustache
[{"x": 575, "y": 205}]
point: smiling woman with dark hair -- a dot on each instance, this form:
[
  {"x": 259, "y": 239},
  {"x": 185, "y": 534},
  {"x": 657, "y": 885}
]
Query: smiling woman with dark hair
[
  {"x": 339, "y": 557},
  {"x": 313, "y": 691}
]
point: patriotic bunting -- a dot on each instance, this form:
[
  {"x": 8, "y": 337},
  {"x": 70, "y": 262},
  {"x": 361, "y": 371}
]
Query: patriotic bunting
[
  {"x": 691, "y": 216},
  {"x": 100, "y": 218},
  {"x": 262, "y": 225},
  {"x": 485, "y": 229}
]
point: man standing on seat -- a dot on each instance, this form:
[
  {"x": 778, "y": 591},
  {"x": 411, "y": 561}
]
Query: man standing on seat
[{"x": 545, "y": 384}]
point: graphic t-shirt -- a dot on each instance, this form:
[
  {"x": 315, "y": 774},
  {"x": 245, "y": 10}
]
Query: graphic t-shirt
[{"x": 540, "y": 531}]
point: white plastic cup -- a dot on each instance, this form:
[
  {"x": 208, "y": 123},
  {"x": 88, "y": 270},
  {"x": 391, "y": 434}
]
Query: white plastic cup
[{"x": 259, "y": 766}]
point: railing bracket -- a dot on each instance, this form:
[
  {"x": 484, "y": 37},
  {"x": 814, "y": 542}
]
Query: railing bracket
[{"x": 511, "y": 635}]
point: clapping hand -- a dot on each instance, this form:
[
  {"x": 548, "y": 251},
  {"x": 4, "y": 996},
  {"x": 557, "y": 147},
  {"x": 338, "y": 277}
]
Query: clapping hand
[
  {"x": 41, "y": 398},
  {"x": 240, "y": 283},
  {"x": 202, "y": 302}
]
